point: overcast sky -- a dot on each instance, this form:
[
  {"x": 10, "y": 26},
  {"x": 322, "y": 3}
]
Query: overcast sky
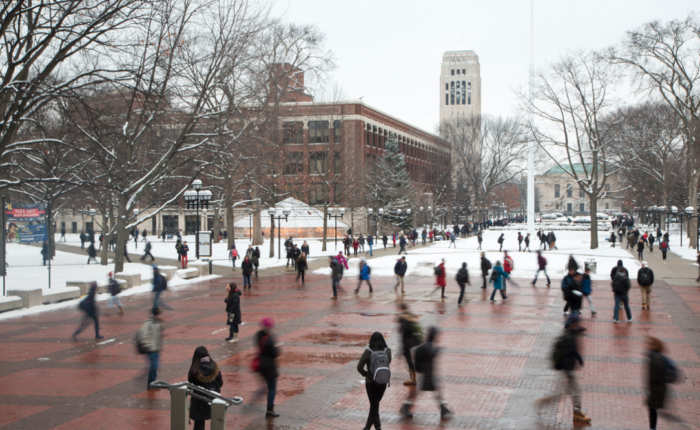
[{"x": 389, "y": 51}]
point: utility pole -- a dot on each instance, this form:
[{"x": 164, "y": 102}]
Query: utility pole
[{"x": 531, "y": 144}]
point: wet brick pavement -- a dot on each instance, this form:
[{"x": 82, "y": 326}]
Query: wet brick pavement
[{"x": 495, "y": 359}]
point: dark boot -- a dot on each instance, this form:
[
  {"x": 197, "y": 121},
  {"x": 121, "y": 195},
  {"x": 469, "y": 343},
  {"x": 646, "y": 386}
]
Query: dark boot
[
  {"x": 370, "y": 421},
  {"x": 271, "y": 412},
  {"x": 406, "y": 410},
  {"x": 377, "y": 423},
  {"x": 444, "y": 412}
]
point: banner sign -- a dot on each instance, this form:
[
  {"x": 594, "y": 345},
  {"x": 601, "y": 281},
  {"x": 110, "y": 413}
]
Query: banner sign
[
  {"x": 26, "y": 223},
  {"x": 205, "y": 244}
]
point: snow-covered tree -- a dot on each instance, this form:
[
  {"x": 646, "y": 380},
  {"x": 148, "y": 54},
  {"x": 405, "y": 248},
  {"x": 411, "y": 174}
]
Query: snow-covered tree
[{"x": 389, "y": 185}]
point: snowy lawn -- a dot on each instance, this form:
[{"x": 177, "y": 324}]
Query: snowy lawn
[{"x": 568, "y": 242}]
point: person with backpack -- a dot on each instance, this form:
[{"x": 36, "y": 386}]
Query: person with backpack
[
  {"x": 440, "y": 279},
  {"x": 527, "y": 243},
  {"x": 233, "y": 311},
  {"x": 374, "y": 366},
  {"x": 247, "y": 269},
  {"x": 205, "y": 373},
  {"x": 453, "y": 238},
  {"x": 508, "y": 266},
  {"x": 159, "y": 285},
  {"x": 613, "y": 239},
  {"x": 265, "y": 363},
  {"x": 485, "y": 267},
  {"x": 552, "y": 239},
  {"x": 520, "y": 242},
  {"x": 661, "y": 371},
  {"x": 302, "y": 265},
  {"x": 178, "y": 244},
  {"x": 255, "y": 259},
  {"x": 400, "y": 269},
  {"x": 114, "y": 290},
  {"x": 571, "y": 289},
  {"x": 586, "y": 288},
  {"x": 479, "y": 239},
  {"x": 149, "y": 341},
  {"x": 645, "y": 279},
  {"x": 92, "y": 253},
  {"x": 183, "y": 254},
  {"x": 543, "y": 239},
  {"x": 621, "y": 287},
  {"x": 426, "y": 359},
  {"x": 497, "y": 276},
  {"x": 335, "y": 276},
  {"x": 640, "y": 249},
  {"x": 410, "y": 337},
  {"x": 147, "y": 252},
  {"x": 365, "y": 271},
  {"x": 651, "y": 240},
  {"x": 541, "y": 267},
  {"x": 233, "y": 255},
  {"x": 564, "y": 358},
  {"x": 500, "y": 242},
  {"x": 663, "y": 246},
  {"x": 89, "y": 307},
  {"x": 462, "y": 279},
  {"x": 402, "y": 244}
]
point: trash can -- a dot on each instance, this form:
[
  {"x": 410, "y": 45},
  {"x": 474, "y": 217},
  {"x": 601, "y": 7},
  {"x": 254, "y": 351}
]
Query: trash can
[{"x": 591, "y": 265}]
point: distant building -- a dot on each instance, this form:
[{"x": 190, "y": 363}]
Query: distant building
[
  {"x": 557, "y": 192},
  {"x": 460, "y": 85}
]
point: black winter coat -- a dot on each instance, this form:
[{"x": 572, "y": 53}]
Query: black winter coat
[
  {"x": 305, "y": 250},
  {"x": 268, "y": 367},
  {"x": 656, "y": 385},
  {"x": 462, "y": 276},
  {"x": 247, "y": 267},
  {"x": 485, "y": 266},
  {"x": 569, "y": 350},
  {"x": 233, "y": 306},
  {"x": 400, "y": 268},
  {"x": 302, "y": 264},
  {"x": 209, "y": 377},
  {"x": 427, "y": 358},
  {"x": 408, "y": 338}
]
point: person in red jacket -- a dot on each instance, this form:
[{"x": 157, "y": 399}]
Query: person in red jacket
[
  {"x": 355, "y": 245},
  {"x": 440, "y": 278},
  {"x": 507, "y": 267}
]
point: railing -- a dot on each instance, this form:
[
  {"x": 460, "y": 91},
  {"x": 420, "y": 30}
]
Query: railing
[{"x": 178, "y": 404}]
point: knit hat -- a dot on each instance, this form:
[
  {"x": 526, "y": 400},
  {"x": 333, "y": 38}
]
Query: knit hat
[{"x": 267, "y": 322}]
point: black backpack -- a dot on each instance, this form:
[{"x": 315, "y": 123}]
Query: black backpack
[
  {"x": 438, "y": 271},
  {"x": 644, "y": 278},
  {"x": 618, "y": 285},
  {"x": 494, "y": 275},
  {"x": 422, "y": 358}
]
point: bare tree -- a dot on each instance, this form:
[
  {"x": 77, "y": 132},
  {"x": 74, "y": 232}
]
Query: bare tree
[
  {"x": 663, "y": 59},
  {"x": 572, "y": 99}
]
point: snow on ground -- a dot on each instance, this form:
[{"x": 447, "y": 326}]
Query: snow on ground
[
  {"x": 685, "y": 251},
  {"x": 568, "y": 242},
  {"x": 220, "y": 250}
]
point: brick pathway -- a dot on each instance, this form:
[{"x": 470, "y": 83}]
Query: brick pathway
[{"x": 495, "y": 359}]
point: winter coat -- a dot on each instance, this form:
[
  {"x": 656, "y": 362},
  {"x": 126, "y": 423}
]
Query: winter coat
[
  {"x": 402, "y": 241},
  {"x": 247, "y": 267},
  {"x": 640, "y": 246},
  {"x": 613, "y": 272},
  {"x": 385, "y": 239},
  {"x": 305, "y": 250},
  {"x": 400, "y": 268},
  {"x": 621, "y": 284},
  {"x": 268, "y": 353},
  {"x": 527, "y": 240},
  {"x": 649, "y": 272},
  {"x": 45, "y": 251},
  {"x": 407, "y": 330},
  {"x": 343, "y": 262},
  {"x": 153, "y": 337},
  {"x": 498, "y": 283},
  {"x": 91, "y": 251},
  {"x": 364, "y": 273},
  {"x": 508, "y": 264},
  {"x": 113, "y": 285},
  {"x": 255, "y": 259},
  {"x": 586, "y": 288},
  {"x": 301, "y": 263},
  {"x": 370, "y": 240},
  {"x": 296, "y": 253},
  {"x": 572, "y": 264},
  {"x": 209, "y": 377},
  {"x": 500, "y": 239},
  {"x": 485, "y": 266},
  {"x": 364, "y": 362},
  {"x": 355, "y": 244},
  {"x": 233, "y": 306},
  {"x": 335, "y": 269},
  {"x": 613, "y": 237},
  {"x": 569, "y": 350},
  {"x": 568, "y": 286},
  {"x": 462, "y": 275},
  {"x": 183, "y": 250},
  {"x": 89, "y": 305},
  {"x": 541, "y": 262},
  {"x": 427, "y": 364},
  {"x": 159, "y": 282},
  {"x": 656, "y": 383},
  {"x": 440, "y": 279}
]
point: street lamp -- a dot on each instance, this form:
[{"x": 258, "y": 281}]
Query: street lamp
[
  {"x": 196, "y": 199},
  {"x": 375, "y": 217},
  {"x": 250, "y": 223},
  {"x": 272, "y": 212},
  {"x": 92, "y": 213},
  {"x": 340, "y": 214}
]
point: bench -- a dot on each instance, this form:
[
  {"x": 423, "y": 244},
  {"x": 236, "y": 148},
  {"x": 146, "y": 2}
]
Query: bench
[
  {"x": 188, "y": 273},
  {"x": 132, "y": 279},
  {"x": 10, "y": 303},
  {"x": 30, "y": 298},
  {"x": 60, "y": 294},
  {"x": 83, "y": 285},
  {"x": 202, "y": 266},
  {"x": 168, "y": 271}
]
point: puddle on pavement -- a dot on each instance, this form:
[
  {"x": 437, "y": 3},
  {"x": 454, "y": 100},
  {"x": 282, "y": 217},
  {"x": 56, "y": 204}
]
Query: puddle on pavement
[{"x": 337, "y": 337}]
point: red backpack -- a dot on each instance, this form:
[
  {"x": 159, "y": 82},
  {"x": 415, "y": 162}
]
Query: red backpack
[{"x": 507, "y": 264}]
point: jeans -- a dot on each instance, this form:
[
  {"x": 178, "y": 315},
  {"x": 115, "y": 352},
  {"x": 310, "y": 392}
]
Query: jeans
[
  {"x": 153, "y": 369},
  {"x": 590, "y": 302},
  {"x": 335, "y": 287},
  {"x": 545, "y": 274},
  {"x": 234, "y": 261},
  {"x": 271, "y": 391},
  {"x": 462, "y": 285},
  {"x": 114, "y": 300},
  {"x": 147, "y": 254},
  {"x": 199, "y": 425},
  {"x": 403, "y": 249},
  {"x": 233, "y": 328},
  {"x": 370, "y": 251},
  {"x": 493, "y": 295},
  {"x": 246, "y": 281},
  {"x": 375, "y": 392},
  {"x": 85, "y": 322},
  {"x": 407, "y": 356},
  {"x": 639, "y": 254},
  {"x": 626, "y": 302},
  {"x": 653, "y": 418},
  {"x": 359, "y": 284},
  {"x": 301, "y": 273}
]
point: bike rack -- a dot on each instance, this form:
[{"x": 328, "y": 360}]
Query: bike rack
[{"x": 178, "y": 403}]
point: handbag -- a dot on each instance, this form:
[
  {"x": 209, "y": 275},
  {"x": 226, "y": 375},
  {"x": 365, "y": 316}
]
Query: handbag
[{"x": 231, "y": 318}]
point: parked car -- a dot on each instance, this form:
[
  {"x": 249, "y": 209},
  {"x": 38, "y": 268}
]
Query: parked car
[
  {"x": 582, "y": 220},
  {"x": 549, "y": 216},
  {"x": 559, "y": 215}
]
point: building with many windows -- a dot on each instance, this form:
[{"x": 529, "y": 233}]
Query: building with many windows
[
  {"x": 556, "y": 191},
  {"x": 460, "y": 85}
]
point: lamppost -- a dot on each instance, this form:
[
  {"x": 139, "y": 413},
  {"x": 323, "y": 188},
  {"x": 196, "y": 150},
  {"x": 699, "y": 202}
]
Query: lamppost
[
  {"x": 250, "y": 223},
  {"x": 676, "y": 212},
  {"x": 503, "y": 209},
  {"x": 136, "y": 236},
  {"x": 335, "y": 216},
  {"x": 272, "y": 212},
  {"x": 195, "y": 199},
  {"x": 92, "y": 213},
  {"x": 375, "y": 217}
]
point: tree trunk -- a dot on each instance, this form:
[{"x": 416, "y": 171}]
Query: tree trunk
[
  {"x": 272, "y": 237},
  {"x": 325, "y": 226},
  {"x": 693, "y": 201},
  {"x": 104, "y": 257},
  {"x": 594, "y": 221},
  {"x": 230, "y": 229},
  {"x": 121, "y": 235},
  {"x": 257, "y": 226},
  {"x": 217, "y": 224}
]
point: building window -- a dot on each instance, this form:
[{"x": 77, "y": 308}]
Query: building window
[
  {"x": 581, "y": 207},
  {"x": 581, "y": 194},
  {"x": 458, "y": 71},
  {"x": 337, "y": 131},
  {"x": 607, "y": 187},
  {"x": 317, "y": 196},
  {"x": 447, "y": 99},
  {"x": 453, "y": 72},
  {"x": 569, "y": 207},
  {"x": 556, "y": 206},
  {"x": 569, "y": 190},
  {"x": 457, "y": 92},
  {"x": 556, "y": 190},
  {"x": 607, "y": 206},
  {"x": 319, "y": 132},
  {"x": 336, "y": 162},
  {"x": 452, "y": 92},
  {"x": 293, "y": 132},
  {"x": 469, "y": 98},
  {"x": 464, "y": 93},
  {"x": 447, "y": 86},
  {"x": 294, "y": 163},
  {"x": 464, "y": 72},
  {"x": 317, "y": 163},
  {"x": 469, "y": 86}
]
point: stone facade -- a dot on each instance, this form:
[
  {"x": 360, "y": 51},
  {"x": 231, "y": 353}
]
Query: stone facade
[
  {"x": 556, "y": 192},
  {"x": 460, "y": 85}
]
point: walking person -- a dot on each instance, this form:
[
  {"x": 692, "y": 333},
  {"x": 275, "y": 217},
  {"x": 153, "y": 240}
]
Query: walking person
[
  {"x": 335, "y": 276},
  {"x": 114, "y": 290},
  {"x": 565, "y": 356},
  {"x": 400, "y": 271},
  {"x": 45, "y": 253},
  {"x": 497, "y": 276},
  {"x": 552, "y": 239},
  {"x": 410, "y": 331},
  {"x": 374, "y": 366},
  {"x": 543, "y": 240},
  {"x": 233, "y": 311},
  {"x": 364, "y": 276},
  {"x": 663, "y": 246},
  {"x": 302, "y": 265},
  {"x": 149, "y": 341},
  {"x": 426, "y": 359},
  {"x": 305, "y": 249},
  {"x": 147, "y": 252},
  {"x": 89, "y": 307},
  {"x": 571, "y": 288},
  {"x": 645, "y": 279},
  {"x": 479, "y": 239},
  {"x": 520, "y": 242},
  {"x": 651, "y": 240},
  {"x": 82, "y": 240},
  {"x": 159, "y": 285},
  {"x": 92, "y": 253},
  {"x": 184, "y": 249},
  {"x": 640, "y": 249},
  {"x": 453, "y": 239},
  {"x": 247, "y": 269},
  {"x": 268, "y": 352},
  {"x": 233, "y": 255},
  {"x": 613, "y": 238},
  {"x": 255, "y": 259},
  {"x": 462, "y": 279},
  {"x": 178, "y": 244},
  {"x": 508, "y": 266},
  {"x": 296, "y": 253},
  {"x": 144, "y": 234},
  {"x": 661, "y": 371},
  {"x": 621, "y": 287},
  {"x": 500, "y": 242},
  {"x": 541, "y": 267},
  {"x": 586, "y": 288},
  {"x": 402, "y": 244},
  {"x": 485, "y": 267},
  {"x": 385, "y": 240},
  {"x": 527, "y": 243},
  {"x": 205, "y": 373},
  {"x": 355, "y": 246},
  {"x": 63, "y": 234},
  {"x": 126, "y": 254},
  {"x": 440, "y": 279}
]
